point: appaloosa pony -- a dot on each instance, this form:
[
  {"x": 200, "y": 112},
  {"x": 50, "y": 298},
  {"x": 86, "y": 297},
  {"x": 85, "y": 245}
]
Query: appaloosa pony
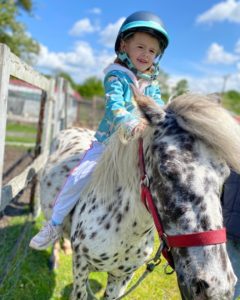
[{"x": 185, "y": 155}]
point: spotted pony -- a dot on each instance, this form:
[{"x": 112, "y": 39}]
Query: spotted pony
[{"x": 188, "y": 148}]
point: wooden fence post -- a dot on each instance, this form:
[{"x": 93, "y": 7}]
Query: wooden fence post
[{"x": 4, "y": 81}]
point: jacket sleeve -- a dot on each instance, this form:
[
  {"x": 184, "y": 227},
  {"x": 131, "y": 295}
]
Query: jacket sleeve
[
  {"x": 156, "y": 95},
  {"x": 116, "y": 111}
]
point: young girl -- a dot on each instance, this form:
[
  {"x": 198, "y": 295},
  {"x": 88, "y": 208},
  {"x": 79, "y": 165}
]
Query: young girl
[{"x": 140, "y": 43}]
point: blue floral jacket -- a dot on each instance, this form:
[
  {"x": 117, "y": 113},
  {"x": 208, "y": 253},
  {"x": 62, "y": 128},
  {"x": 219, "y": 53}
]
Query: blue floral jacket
[{"x": 120, "y": 107}]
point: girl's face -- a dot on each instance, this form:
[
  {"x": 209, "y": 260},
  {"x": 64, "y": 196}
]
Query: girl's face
[{"x": 142, "y": 48}]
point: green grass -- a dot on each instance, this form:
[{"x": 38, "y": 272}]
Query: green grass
[
  {"x": 20, "y": 139},
  {"x": 19, "y": 127},
  {"x": 29, "y": 277},
  {"x": 21, "y": 133}
]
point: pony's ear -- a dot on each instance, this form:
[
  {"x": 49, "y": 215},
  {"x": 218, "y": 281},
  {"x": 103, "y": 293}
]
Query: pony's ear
[{"x": 149, "y": 108}]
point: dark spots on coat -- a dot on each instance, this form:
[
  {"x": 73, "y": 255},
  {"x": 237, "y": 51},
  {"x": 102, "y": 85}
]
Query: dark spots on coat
[
  {"x": 102, "y": 219},
  {"x": 107, "y": 226},
  {"x": 93, "y": 235},
  {"x": 49, "y": 183},
  {"x": 79, "y": 294},
  {"x": 65, "y": 168},
  {"x": 83, "y": 208},
  {"x": 128, "y": 269},
  {"x": 126, "y": 208},
  {"x": 96, "y": 260},
  {"x": 119, "y": 218},
  {"x": 85, "y": 249},
  {"x": 76, "y": 247},
  {"x": 121, "y": 267},
  {"x": 84, "y": 268},
  {"x": 82, "y": 234},
  {"x": 203, "y": 207},
  {"x": 134, "y": 224},
  {"x": 205, "y": 222},
  {"x": 146, "y": 231},
  {"x": 183, "y": 252}
]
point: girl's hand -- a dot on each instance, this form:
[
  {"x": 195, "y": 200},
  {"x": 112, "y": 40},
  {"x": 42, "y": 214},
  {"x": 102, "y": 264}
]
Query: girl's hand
[{"x": 139, "y": 129}]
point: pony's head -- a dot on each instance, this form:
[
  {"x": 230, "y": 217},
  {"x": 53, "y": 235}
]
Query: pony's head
[{"x": 189, "y": 148}]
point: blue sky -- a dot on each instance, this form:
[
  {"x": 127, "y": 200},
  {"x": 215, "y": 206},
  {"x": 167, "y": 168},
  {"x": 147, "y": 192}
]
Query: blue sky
[{"x": 77, "y": 36}]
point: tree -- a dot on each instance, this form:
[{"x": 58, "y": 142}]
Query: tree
[
  {"x": 13, "y": 32},
  {"x": 180, "y": 88},
  {"x": 68, "y": 78},
  {"x": 231, "y": 100},
  {"x": 162, "y": 79},
  {"x": 91, "y": 87},
  {"x": 24, "y": 4}
]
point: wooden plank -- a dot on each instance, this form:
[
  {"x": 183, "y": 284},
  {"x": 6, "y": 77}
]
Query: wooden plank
[
  {"x": 23, "y": 71},
  {"x": 4, "y": 80},
  {"x": 18, "y": 183}
]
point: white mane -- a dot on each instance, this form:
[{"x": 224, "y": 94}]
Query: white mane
[
  {"x": 196, "y": 114},
  {"x": 210, "y": 122}
]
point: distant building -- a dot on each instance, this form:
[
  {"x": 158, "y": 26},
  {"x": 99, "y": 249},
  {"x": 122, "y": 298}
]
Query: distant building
[{"x": 24, "y": 101}]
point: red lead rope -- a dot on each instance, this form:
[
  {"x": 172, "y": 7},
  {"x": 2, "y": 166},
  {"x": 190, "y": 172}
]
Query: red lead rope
[{"x": 194, "y": 239}]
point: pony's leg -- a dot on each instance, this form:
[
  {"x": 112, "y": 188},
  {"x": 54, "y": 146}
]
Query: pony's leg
[
  {"x": 116, "y": 286},
  {"x": 80, "y": 277},
  {"x": 54, "y": 258}
]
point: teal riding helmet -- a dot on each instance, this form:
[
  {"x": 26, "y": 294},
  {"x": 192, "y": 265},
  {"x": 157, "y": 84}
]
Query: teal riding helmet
[{"x": 142, "y": 21}]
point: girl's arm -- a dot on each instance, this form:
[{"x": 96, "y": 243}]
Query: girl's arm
[{"x": 115, "y": 105}]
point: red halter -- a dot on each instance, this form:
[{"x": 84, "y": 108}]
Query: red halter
[{"x": 194, "y": 239}]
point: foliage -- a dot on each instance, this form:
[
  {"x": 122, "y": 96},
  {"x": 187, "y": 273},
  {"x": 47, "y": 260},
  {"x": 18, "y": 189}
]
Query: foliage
[
  {"x": 91, "y": 87},
  {"x": 13, "y": 32},
  {"x": 162, "y": 79},
  {"x": 180, "y": 88},
  {"x": 231, "y": 100},
  {"x": 68, "y": 78}
]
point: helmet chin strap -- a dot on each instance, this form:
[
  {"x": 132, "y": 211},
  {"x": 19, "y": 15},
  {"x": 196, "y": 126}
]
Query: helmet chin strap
[{"x": 127, "y": 61}]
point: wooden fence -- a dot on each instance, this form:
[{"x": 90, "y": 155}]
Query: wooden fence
[{"x": 53, "y": 117}]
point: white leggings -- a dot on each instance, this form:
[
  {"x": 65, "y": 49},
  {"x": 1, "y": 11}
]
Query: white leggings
[{"x": 77, "y": 179}]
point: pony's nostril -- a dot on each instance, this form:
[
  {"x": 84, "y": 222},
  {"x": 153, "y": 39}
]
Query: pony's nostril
[{"x": 200, "y": 286}]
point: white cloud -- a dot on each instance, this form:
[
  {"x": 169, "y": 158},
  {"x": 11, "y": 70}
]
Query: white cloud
[
  {"x": 237, "y": 47},
  {"x": 109, "y": 33},
  {"x": 95, "y": 11},
  {"x": 209, "y": 83},
  {"x": 81, "y": 63},
  {"x": 217, "y": 55},
  {"x": 83, "y": 26},
  {"x": 228, "y": 10}
]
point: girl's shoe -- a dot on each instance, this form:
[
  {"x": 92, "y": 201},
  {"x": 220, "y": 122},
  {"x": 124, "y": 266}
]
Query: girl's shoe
[{"x": 46, "y": 237}]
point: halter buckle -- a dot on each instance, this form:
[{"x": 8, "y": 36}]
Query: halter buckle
[
  {"x": 165, "y": 242},
  {"x": 145, "y": 181}
]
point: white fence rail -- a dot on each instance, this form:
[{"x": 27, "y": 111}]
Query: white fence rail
[{"x": 55, "y": 117}]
